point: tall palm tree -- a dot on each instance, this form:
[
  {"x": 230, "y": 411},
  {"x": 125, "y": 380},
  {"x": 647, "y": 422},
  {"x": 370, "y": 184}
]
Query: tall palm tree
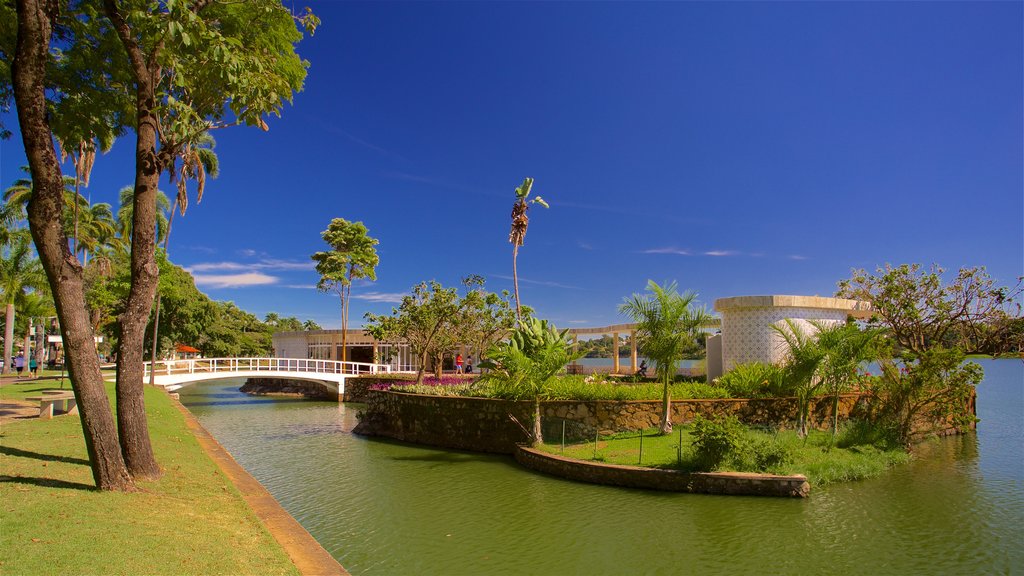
[
  {"x": 83, "y": 155},
  {"x": 517, "y": 235},
  {"x": 37, "y": 307},
  {"x": 20, "y": 273},
  {"x": 198, "y": 160},
  {"x": 18, "y": 194},
  {"x": 823, "y": 357},
  {"x": 667, "y": 324},
  {"x": 127, "y": 209},
  {"x": 97, "y": 229}
]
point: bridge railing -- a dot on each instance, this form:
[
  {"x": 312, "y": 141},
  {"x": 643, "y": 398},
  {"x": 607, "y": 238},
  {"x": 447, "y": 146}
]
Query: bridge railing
[{"x": 304, "y": 365}]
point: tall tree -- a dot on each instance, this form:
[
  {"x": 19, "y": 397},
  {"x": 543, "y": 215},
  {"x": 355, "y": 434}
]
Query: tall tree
[
  {"x": 20, "y": 273},
  {"x": 352, "y": 256},
  {"x": 198, "y": 160},
  {"x": 517, "y": 235},
  {"x": 187, "y": 67},
  {"x": 931, "y": 323},
  {"x": 522, "y": 367},
  {"x": 422, "y": 320},
  {"x": 36, "y": 20},
  {"x": 667, "y": 324}
]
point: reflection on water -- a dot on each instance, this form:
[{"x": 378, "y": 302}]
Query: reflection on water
[{"x": 383, "y": 507}]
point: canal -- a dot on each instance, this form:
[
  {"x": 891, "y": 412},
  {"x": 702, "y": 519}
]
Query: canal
[{"x": 386, "y": 508}]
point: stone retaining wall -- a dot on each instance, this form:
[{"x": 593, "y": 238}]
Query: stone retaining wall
[
  {"x": 477, "y": 424},
  {"x": 284, "y": 387},
  {"x": 484, "y": 425},
  {"x": 738, "y": 483}
]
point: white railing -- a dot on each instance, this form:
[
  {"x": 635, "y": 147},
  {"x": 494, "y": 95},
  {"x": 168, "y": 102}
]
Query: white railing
[{"x": 304, "y": 365}]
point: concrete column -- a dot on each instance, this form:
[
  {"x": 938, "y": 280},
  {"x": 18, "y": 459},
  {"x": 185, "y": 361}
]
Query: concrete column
[
  {"x": 334, "y": 346},
  {"x": 632, "y": 351},
  {"x": 615, "y": 353}
]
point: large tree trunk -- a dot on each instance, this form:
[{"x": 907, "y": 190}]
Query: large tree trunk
[
  {"x": 8, "y": 337},
  {"x": 131, "y": 406},
  {"x": 62, "y": 268}
]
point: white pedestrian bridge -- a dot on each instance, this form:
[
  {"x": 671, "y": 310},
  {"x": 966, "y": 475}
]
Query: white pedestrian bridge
[{"x": 175, "y": 374}]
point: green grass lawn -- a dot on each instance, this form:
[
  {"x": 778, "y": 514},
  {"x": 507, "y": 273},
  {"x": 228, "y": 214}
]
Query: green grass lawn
[
  {"x": 814, "y": 457},
  {"x": 52, "y": 521}
]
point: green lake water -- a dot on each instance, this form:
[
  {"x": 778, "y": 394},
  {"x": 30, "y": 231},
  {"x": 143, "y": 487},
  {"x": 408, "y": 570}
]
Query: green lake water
[{"x": 382, "y": 507}]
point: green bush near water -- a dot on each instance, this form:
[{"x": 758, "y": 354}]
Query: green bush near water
[
  {"x": 755, "y": 380},
  {"x": 742, "y": 449}
]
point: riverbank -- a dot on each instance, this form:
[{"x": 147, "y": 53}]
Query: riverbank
[{"x": 193, "y": 520}]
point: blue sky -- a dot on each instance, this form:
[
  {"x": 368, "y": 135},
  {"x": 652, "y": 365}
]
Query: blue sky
[{"x": 737, "y": 148}]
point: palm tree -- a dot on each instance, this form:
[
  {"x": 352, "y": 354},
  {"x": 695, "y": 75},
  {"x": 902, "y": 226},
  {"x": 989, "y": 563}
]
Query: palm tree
[
  {"x": 824, "y": 357},
  {"x": 667, "y": 324},
  {"x": 37, "y": 306},
  {"x": 127, "y": 209},
  {"x": 517, "y": 235},
  {"x": 82, "y": 153},
  {"x": 522, "y": 367},
  {"x": 18, "y": 194},
  {"x": 97, "y": 229},
  {"x": 198, "y": 160},
  {"x": 20, "y": 272}
]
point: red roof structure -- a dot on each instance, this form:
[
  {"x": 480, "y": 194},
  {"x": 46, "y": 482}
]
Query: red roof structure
[{"x": 183, "y": 349}]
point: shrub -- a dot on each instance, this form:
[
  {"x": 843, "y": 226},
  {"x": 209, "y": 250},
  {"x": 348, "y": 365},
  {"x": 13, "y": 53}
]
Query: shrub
[
  {"x": 715, "y": 441},
  {"x": 754, "y": 380}
]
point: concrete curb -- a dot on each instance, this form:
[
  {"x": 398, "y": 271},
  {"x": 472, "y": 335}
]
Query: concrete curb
[{"x": 304, "y": 551}]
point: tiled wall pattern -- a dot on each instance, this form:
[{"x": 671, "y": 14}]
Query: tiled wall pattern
[{"x": 747, "y": 336}]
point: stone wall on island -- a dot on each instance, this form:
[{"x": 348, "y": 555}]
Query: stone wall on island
[
  {"x": 485, "y": 425},
  {"x": 489, "y": 425},
  {"x": 733, "y": 483}
]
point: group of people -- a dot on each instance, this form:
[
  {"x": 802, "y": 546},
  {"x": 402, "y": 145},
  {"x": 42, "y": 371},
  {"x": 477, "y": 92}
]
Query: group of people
[
  {"x": 458, "y": 364},
  {"x": 19, "y": 364}
]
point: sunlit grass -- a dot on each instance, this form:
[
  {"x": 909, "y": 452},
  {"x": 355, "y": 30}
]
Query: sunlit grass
[{"x": 190, "y": 521}]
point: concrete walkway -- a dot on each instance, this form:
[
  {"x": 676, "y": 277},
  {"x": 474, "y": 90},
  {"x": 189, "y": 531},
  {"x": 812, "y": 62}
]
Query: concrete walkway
[{"x": 306, "y": 553}]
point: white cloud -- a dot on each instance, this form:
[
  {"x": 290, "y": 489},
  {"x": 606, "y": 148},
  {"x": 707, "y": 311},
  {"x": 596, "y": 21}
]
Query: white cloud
[
  {"x": 395, "y": 297},
  {"x": 539, "y": 282},
  {"x": 265, "y": 264},
  {"x": 233, "y": 280},
  {"x": 667, "y": 250},
  {"x": 721, "y": 253},
  {"x": 797, "y": 257},
  {"x": 301, "y": 286}
]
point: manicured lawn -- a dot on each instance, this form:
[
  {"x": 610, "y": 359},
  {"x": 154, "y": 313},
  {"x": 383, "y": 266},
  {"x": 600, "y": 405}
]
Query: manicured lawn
[
  {"x": 813, "y": 458},
  {"x": 52, "y": 521}
]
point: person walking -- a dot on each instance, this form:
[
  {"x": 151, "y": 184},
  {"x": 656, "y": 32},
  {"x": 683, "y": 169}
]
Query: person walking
[
  {"x": 19, "y": 363},
  {"x": 458, "y": 363},
  {"x": 33, "y": 367}
]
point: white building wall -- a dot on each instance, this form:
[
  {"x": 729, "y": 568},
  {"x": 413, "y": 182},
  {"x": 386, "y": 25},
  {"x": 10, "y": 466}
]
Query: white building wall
[{"x": 747, "y": 333}]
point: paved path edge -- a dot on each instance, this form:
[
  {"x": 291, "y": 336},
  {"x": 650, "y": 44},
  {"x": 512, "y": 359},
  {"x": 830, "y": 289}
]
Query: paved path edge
[{"x": 304, "y": 551}]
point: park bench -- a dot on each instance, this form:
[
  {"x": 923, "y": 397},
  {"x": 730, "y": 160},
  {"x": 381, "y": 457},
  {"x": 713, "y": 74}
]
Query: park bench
[{"x": 50, "y": 398}]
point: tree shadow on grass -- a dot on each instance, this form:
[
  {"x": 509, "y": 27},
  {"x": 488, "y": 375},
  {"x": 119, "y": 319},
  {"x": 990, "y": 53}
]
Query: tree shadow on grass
[
  {"x": 46, "y": 482},
  {"x": 11, "y": 451}
]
